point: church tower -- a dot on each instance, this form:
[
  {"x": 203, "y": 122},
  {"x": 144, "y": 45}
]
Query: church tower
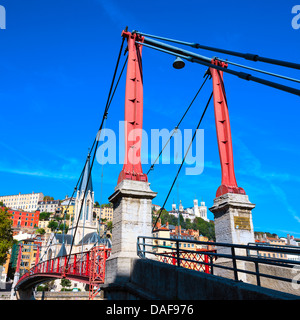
[
  {"x": 84, "y": 205},
  {"x": 203, "y": 211}
]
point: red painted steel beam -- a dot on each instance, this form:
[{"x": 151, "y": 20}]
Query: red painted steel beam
[
  {"x": 132, "y": 168},
  {"x": 19, "y": 259},
  {"x": 228, "y": 183}
]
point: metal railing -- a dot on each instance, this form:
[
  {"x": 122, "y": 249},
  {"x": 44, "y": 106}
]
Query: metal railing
[
  {"x": 206, "y": 259},
  {"x": 78, "y": 266}
]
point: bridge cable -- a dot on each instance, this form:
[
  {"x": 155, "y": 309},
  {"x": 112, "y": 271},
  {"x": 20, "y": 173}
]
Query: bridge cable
[
  {"x": 176, "y": 128},
  {"x": 66, "y": 210},
  {"x": 170, "y": 190},
  {"x": 75, "y": 189},
  {"x": 247, "y": 56},
  {"x": 111, "y": 98},
  {"x": 96, "y": 142},
  {"x": 190, "y": 56}
]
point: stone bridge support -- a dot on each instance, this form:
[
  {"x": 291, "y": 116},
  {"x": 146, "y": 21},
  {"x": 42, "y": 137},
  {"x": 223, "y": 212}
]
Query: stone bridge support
[
  {"x": 132, "y": 203},
  {"x": 233, "y": 224}
]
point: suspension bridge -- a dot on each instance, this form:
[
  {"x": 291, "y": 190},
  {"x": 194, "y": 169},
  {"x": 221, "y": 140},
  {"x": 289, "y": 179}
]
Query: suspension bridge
[{"x": 133, "y": 256}]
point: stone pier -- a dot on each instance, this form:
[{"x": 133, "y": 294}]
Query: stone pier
[
  {"x": 233, "y": 224},
  {"x": 132, "y": 203}
]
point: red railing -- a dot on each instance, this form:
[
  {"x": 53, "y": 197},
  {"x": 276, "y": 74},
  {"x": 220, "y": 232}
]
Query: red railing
[
  {"x": 78, "y": 266},
  {"x": 190, "y": 260}
]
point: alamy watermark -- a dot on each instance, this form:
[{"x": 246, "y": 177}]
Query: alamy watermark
[
  {"x": 2, "y": 17},
  {"x": 296, "y": 18},
  {"x": 147, "y": 146}
]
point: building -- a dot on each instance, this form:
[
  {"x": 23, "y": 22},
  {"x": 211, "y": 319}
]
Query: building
[
  {"x": 107, "y": 213},
  {"x": 29, "y": 253},
  {"x": 84, "y": 204},
  {"x": 4, "y": 272},
  {"x": 67, "y": 206},
  {"x": 192, "y": 212},
  {"x": 165, "y": 245},
  {"x": 97, "y": 212},
  {"x": 24, "y": 219},
  {"x": 43, "y": 224},
  {"x": 158, "y": 233},
  {"x": 84, "y": 223},
  {"x": 20, "y": 201},
  {"x": 48, "y": 205},
  {"x": 155, "y": 207},
  {"x": 288, "y": 242}
]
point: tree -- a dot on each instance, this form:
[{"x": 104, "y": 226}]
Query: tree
[
  {"x": 64, "y": 227},
  {"x": 106, "y": 205},
  {"x": 44, "y": 216},
  {"x": 40, "y": 231},
  {"x": 48, "y": 198},
  {"x": 52, "y": 225},
  {"x": 109, "y": 226},
  {"x": 205, "y": 228},
  {"x": 65, "y": 283},
  {"x": 6, "y": 235},
  {"x": 164, "y": 216}
]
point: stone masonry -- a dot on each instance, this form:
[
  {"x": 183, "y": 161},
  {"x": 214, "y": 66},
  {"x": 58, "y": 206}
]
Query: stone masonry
[{"x": 132, "y": 202}]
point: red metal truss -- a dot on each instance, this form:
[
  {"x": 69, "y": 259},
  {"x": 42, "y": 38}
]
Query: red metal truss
[
  {"x": 98, "y": 256},
  {"x": 228, "y": 184},
  {"x": 87, "y": 267},
  {"x": 189, "y": 260},
  {"x": 132, "y": 168}
]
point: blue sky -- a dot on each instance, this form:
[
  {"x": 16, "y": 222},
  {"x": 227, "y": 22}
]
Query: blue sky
[{"x": 57, "y": 60}]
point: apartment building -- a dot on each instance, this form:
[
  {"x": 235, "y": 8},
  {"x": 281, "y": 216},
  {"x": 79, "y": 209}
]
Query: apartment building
[
  {"x": 28, "y": 202},
  {"x": 67, "y": 206},
  {"x": 48, "y": 205},
  {"x": 43, "y": 224},
  {"x": 24, "y": 219}
]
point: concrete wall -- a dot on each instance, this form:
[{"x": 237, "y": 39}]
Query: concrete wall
[
  {"x": 155, "y": 280},
  {"x": 279, "y": 271},
  {"x": 65, "y": 295}
]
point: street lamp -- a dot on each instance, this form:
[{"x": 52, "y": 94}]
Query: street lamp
[{"x": 178, "y": 63}]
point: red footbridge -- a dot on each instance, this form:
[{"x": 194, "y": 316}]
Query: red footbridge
[{"x": 87, "y": 267}]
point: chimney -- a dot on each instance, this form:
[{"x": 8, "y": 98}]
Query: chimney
[
  {"x": 158, "y": 225},
  {"x": 167, "y": 224},
  {"x": 265, "y": 237}
]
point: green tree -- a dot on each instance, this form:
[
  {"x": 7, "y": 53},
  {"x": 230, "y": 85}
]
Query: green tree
[
  {"x": 40, "y": 231},
  {"x": 205, "y": 228},
  {"x": 6, "y": 235},
  {"x": 65, "y": 283},
  {"x": 109, "y": 226},
  {"x": 44, "y": 216},
  {"x": 48, "y": 198},
  {"x": 106, "y": 205},
  {"x": 52, "y": 225},
  {"x": 164, "y": 216},
  {"x": 64, "y": 227}
]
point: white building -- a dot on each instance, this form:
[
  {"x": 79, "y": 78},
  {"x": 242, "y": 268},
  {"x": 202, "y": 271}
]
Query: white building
[
  {"x": 82, "y": 236},
  {"x": 48, "y": 205},
  {"x": 28, "y": 202},
  {"x": 192, "y": 212}
]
